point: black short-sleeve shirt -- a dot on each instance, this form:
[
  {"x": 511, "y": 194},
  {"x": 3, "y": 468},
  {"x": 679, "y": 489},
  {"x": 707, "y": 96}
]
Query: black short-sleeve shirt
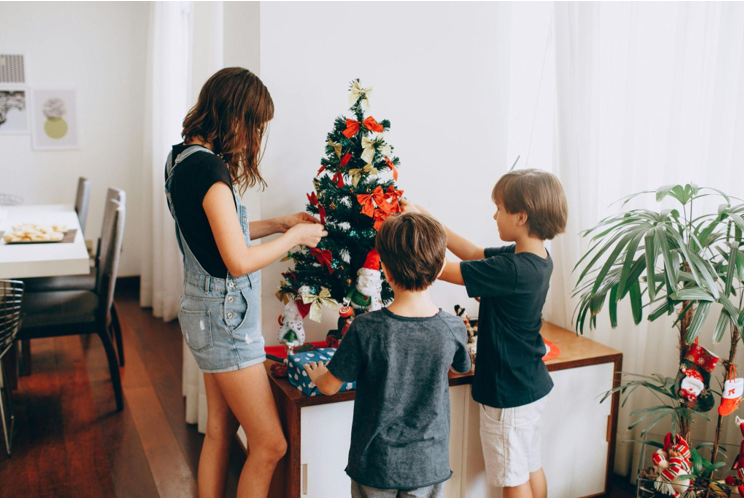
[
  {"x": 400, "y": 430},
  {"x": 509, "y": 369},
  {"x": 192, "y": 178}
]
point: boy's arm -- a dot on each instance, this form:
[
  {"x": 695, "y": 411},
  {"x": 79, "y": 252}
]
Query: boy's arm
[
  {"x": 321, "y": 377},
  {"x": 459, "y": 245},
  {"x": 452, "y": 273}
]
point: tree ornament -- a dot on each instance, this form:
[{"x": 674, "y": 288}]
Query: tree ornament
[
  {"x": 694, "y": 377},
  {"x": 672, "y": 464},
  {"x": 733, "y": 389},
  {"x": 366, "y": 295},
  {"x": 357, "y": 92},
  {"x": 336, "y": 147},
  {"x": 738, "y": 463},
  {"x": 356, "y": 173},
  {"x": 324, "y": 298}
]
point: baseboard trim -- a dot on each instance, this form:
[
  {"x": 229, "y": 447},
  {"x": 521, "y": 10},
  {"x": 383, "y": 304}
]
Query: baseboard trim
[{"x": 128, "y": 283}]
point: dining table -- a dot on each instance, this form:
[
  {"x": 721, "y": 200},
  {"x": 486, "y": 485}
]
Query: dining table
[{"x": 46, "y": 259}]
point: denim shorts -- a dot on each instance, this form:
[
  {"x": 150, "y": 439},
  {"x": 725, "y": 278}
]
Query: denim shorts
[{"x": 220, "y": 321}]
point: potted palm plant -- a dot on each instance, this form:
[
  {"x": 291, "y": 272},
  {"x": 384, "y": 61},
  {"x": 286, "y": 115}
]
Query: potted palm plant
[{"x": 679, "y": 262}]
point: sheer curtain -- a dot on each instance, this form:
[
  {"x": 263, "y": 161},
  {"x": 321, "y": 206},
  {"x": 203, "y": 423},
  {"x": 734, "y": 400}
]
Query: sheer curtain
[
  {"x": 184, "y": 49},
  {"x": 647, "y": 94}
]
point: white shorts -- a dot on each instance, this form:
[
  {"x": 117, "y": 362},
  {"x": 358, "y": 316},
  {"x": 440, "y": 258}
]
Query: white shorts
[{"x": 511, "y": 442}]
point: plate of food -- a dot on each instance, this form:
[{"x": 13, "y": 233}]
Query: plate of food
[{"x": 32, "y": 233}]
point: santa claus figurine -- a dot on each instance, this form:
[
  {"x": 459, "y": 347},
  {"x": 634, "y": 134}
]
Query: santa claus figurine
[
  {"x": 367, "y": 294},
  {"x": 291, "y": 326}
]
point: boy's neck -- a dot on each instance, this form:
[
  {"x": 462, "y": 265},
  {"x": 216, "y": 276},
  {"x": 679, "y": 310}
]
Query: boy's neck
[
  {"x": 532, "y": 245},
  {"x": 413, "y": 304}
]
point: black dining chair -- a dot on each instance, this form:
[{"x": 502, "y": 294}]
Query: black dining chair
[
  {"x": 83, "y": 282},
  {"x": 76, "y": 312},
  {"x": 11, "y": 298}
]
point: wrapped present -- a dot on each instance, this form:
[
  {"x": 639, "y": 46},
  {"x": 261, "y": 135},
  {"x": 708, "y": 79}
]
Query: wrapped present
[{"x": 297, "y": 376}]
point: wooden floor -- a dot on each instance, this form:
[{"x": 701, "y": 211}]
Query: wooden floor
[{"x": 70, "y": 440}]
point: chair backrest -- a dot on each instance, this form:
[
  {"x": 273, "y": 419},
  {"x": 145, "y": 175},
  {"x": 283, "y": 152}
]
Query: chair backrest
[
  {"x": 82, "y": 199},
  {"x": 11, "y": 296},
  {"x": 108, "y": 213},
  {"x": 111, "y": 240}
]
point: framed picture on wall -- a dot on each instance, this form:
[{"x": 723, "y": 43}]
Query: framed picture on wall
[
  {"x": 13, "y": 69},
  {"x": 54, "y": 120},
  {"x": 13, "y": 110}
]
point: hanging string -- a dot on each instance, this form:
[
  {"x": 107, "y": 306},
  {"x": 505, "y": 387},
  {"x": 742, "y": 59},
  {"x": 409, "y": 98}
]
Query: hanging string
[{"x": 539, "y": 87}]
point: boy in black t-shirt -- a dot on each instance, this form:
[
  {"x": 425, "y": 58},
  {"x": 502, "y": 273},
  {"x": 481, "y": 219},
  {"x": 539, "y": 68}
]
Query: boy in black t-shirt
[{"x": 511, "y": 381}]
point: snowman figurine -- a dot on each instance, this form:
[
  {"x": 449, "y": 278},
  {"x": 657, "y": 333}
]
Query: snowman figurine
[
  {"x": 367, "y": 294},
  {"x": 291, "y": 327}
]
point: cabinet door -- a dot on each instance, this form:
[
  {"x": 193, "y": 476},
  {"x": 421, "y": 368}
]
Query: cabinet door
[
  {"x": 574, "y": 437},
  {"x": 325, "y": 438}
]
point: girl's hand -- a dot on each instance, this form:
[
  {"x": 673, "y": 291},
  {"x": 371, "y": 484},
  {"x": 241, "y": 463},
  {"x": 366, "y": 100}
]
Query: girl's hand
[
  {"x": 315, "y": 370},
  {"x": 291, "y": 220},
  {"x": 307, "y": 234}
]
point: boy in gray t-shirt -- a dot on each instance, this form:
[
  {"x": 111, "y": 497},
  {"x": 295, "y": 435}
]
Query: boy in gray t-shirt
[{"x": 399, "y": 357}]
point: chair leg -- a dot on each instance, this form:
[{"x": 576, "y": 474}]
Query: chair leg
[
  {"x": 108, "y": 346},
  {"x": 6, "y": 393},
  {"x": 116, "y": 325}
]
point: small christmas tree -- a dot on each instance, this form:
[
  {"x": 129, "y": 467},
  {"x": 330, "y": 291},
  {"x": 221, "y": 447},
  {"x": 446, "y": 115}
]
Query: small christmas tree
[{"x": 355, "y": 191}]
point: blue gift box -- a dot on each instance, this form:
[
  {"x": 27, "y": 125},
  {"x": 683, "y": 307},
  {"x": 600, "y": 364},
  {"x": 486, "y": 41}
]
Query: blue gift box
[{"x": 298, "y": 377}]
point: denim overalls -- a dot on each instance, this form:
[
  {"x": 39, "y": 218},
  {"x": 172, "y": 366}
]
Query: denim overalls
[{"x": 219, "y": 317}]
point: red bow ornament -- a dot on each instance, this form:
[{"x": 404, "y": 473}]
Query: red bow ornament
[
  {"x": 380, "y": 216},
  {"x": 368, "y": 202},
  {"x": 391, "y": 165},
  {"x": 324, "y": 257},
  {"x": 352, "y": 127},
  {"x": 321, "y": 210},
  {"x": 339, "y": 179},
  {"x": 345, "y": 160},
  {"x": 393, "y": 196}
]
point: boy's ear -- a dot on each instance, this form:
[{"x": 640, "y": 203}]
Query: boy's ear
[
  {"x": 385, "y": 271},
  {"x": 443, "y": 266},
  {"x": 522, "y": 218}
]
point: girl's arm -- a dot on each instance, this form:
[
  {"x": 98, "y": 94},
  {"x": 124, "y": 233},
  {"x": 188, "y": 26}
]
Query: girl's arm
[
  {"x": 239, "y": 258},
  {"x": 262, "y": 228},
  {"x": 459, "y": 245},
  {"x": 327, "y": 383}
]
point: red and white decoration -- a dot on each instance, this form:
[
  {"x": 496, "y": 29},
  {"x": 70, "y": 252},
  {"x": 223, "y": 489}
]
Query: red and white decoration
[
  {"x": 733, "y": 390},
  {"x": 692, "y": 384},
  {"x": 672, "y": 462}
]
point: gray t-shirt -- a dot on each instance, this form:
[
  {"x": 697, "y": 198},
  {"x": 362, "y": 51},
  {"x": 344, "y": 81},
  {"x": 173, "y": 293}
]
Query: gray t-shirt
[{"x": 400, "y": 431}]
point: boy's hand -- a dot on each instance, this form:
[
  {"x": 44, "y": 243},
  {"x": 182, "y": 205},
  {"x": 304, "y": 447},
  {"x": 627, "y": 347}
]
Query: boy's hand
[
  {"x": 409, "y": 207},
  {"x": 315, "y": 370}
]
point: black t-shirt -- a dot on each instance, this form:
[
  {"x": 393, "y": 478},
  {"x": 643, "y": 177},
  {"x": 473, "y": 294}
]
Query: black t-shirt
[
  {"x": 509, "y": 369},
  {"x": 400, "y": 430},
  {"x": 192, "y": 178}
]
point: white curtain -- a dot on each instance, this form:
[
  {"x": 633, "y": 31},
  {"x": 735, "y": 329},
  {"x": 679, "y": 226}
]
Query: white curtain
[
  {"x": 184, "y": 49},
  {"x": 647, "y": 94}
]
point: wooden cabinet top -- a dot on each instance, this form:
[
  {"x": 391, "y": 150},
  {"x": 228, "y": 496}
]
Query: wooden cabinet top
[{"x": 576, "y": 351}]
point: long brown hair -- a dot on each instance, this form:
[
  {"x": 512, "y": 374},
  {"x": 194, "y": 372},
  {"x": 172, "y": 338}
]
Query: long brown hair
[{"x": 232, "y": 114}]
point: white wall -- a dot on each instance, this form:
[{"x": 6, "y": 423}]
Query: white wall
[
  {"x": 99, "y": 49},
  {"x": 445, "y": 82}
]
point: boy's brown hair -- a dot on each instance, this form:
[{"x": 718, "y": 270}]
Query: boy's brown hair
[
  {"x": 413, "y": 247},
  {"x": 537, "y": 193},
  {"x": 232, "y": 113}
]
